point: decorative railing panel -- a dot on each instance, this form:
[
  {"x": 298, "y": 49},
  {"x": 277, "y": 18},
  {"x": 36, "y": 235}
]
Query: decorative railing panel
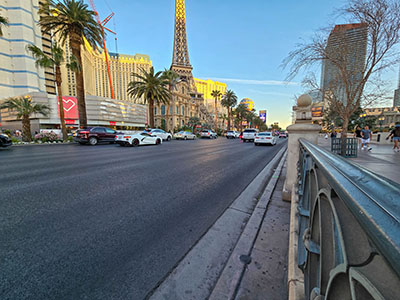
[{"x": 349, "y": 223}]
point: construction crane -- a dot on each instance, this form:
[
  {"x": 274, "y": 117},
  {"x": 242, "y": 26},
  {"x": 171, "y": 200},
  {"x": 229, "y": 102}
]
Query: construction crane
[{"x": 102, "y": 25}]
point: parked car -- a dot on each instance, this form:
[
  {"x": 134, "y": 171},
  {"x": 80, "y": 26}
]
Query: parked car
[
  {"x": 265, "y": 138},
  {"x": 5, "y": 141},
  {"x": 95, "y": 135},
  {"x": 166, "y": 136},
  {"x": 206, "y": 133},
  {"x": 137, "y": 139},
  {"x": 231, "y": 134},
  {"x": 184, "y": 135},
  {"x": 249, "y": 134}
]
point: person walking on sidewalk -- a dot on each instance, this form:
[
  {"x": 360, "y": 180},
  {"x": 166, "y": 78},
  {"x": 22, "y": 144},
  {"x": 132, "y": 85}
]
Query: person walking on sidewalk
[
  {"x": 357, "y": 135},
  {"x": 366, "y": 135},
  {"x": 395, "y": 133}
]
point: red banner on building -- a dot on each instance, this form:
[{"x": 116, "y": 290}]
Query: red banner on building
[{"x": 70, "y": 109}]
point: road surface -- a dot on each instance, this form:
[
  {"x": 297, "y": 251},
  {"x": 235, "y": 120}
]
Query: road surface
[{"x": 108, "y": 222}]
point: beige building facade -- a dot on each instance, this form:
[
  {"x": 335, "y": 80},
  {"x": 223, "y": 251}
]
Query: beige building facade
[{"x": 96, "y": 75}]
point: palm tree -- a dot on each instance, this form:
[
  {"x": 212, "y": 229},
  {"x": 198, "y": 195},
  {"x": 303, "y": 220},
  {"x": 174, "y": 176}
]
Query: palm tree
[
  {"x": 3, "y": 22},
  {"x": 25, "y": 108},
  {"x": 173, "y": 79},
  {"x": 72, "y": 20},
  {"x": 224, "y": 118},
  {"x": 240, "y": 114},
  {"x": 154, "y": 88},
  {"x": 53, "y": 61},
  {"x": 229, "y": 101},
  {"x": 216, "y": 95},
  {"x": 193, "y": 121}
]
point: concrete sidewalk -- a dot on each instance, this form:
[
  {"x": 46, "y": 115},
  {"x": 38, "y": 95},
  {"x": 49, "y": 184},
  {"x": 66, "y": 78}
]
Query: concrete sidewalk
[
  {"x": 381, "y": 159},
  {"x": 265, "y": 278}
]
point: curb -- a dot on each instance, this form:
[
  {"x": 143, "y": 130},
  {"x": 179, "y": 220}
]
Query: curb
[
  {"x": 43, "y": 144},
  {"x": 195, "y": 276},
  {"x": 295, "y": 275},
  {"x": 230, "y": 279}
]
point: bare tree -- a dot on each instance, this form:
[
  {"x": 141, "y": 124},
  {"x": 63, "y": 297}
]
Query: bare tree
[{"x": 353, "y": 63}]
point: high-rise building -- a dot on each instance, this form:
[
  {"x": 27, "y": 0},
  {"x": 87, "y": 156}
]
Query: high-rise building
[
  {"x": 18, "y": 72},
  {"x": 95, "y": 72},
  {"x": 49, "y": 73},
  {"x": 396, "y": 100},
  {"x": 206, "y": 87},
  {"x": 347, "y": 44}
]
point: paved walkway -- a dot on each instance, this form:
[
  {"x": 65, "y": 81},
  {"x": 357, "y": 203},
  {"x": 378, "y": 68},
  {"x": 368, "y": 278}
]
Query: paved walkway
[
  {"x": 381, "y": 159},
  {"x": 265, "y": 277}
]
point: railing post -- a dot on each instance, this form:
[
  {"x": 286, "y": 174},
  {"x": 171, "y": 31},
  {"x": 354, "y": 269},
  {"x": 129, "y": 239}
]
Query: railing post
[{"x": 303, "y": 128}]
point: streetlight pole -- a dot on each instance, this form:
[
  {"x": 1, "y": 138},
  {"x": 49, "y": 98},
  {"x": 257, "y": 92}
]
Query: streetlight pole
[
  {"x": 362, "y": 118},
  {"x": 381, "y": 119}
]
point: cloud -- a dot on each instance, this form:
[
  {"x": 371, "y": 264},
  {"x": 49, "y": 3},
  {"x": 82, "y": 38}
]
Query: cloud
[{"x": 254, "y": 82}]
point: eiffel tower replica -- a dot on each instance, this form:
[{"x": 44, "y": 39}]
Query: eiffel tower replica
[
  {"x": 186, "y": 102},
  {"x": 180, "y": 60}
]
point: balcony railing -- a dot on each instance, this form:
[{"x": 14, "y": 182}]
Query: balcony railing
[{"x": 349, "y": 229}]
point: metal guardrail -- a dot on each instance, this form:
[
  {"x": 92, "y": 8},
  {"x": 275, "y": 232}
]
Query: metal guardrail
[{"x": 349, "y": 223}]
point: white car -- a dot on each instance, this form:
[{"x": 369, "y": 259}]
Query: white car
[
  {"x": 249, "y": 134},
  {"x": 160, "y": 133},
  {"x": 231, "y": 134},
  {"x": 185, "y": 135},
  {"x": 206, "y": 133},
  {"x": 137, "y": 139},
  {"x": 264, "y": 138}
]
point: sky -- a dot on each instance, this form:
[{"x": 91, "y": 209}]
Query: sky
[{"x": 239, "y": 42}]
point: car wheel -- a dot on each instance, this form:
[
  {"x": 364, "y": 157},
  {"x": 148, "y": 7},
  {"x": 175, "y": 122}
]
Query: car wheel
[
  {"x": 93, "y": 141},
  {"x": 185, "y": 138},
  {"x": 158, "y": 142},
  {"x": 135, "y": 143},
  {"x": 168, "y": 138}
]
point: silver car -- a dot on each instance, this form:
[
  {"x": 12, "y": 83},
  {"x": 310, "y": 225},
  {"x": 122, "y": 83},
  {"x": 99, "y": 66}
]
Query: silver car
[
  {"x": 231, "y": 134},
  {"x": 184, "y": 135},
  {"x": 206, "y": 133}
]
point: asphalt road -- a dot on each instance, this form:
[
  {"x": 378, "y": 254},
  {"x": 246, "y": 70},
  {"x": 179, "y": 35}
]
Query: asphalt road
[{"x": 107, "y": 222}]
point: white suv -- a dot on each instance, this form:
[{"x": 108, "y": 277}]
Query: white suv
[
  {"x": 231, "y": 134},
  {"x": 249, "y": 134}
]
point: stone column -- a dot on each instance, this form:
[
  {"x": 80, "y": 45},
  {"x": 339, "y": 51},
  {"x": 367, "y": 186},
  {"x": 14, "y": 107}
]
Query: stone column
[{"x": 303, "y": 128}]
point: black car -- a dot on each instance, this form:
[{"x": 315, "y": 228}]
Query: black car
[
  {"x": 95, "y": 135},
  {"x": 5, "y": 141}
]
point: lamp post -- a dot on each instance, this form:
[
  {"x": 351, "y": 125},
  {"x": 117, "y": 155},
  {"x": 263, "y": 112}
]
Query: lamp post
[
  {"x": 381, "y": 119},
  {"x": 362, "y": 117}
]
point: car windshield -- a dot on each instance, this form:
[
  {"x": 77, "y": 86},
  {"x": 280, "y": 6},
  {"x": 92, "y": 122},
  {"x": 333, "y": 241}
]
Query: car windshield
[
  {"x": 230, "y": 131},
  {"x": 180, "y": 132},
  {"x": 250, "y": 130},
  {"x": 205, "y": 131}
]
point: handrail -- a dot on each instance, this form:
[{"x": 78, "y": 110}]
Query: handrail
[{"x": 373, "y": 200}]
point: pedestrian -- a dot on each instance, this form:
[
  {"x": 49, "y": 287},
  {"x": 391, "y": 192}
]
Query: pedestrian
[
  {"x": 395, "y": 133},
  {"x": 333, "y": 134},
  {"x": 357, "y": 135},
  {"x": 366, "y": 135}
]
